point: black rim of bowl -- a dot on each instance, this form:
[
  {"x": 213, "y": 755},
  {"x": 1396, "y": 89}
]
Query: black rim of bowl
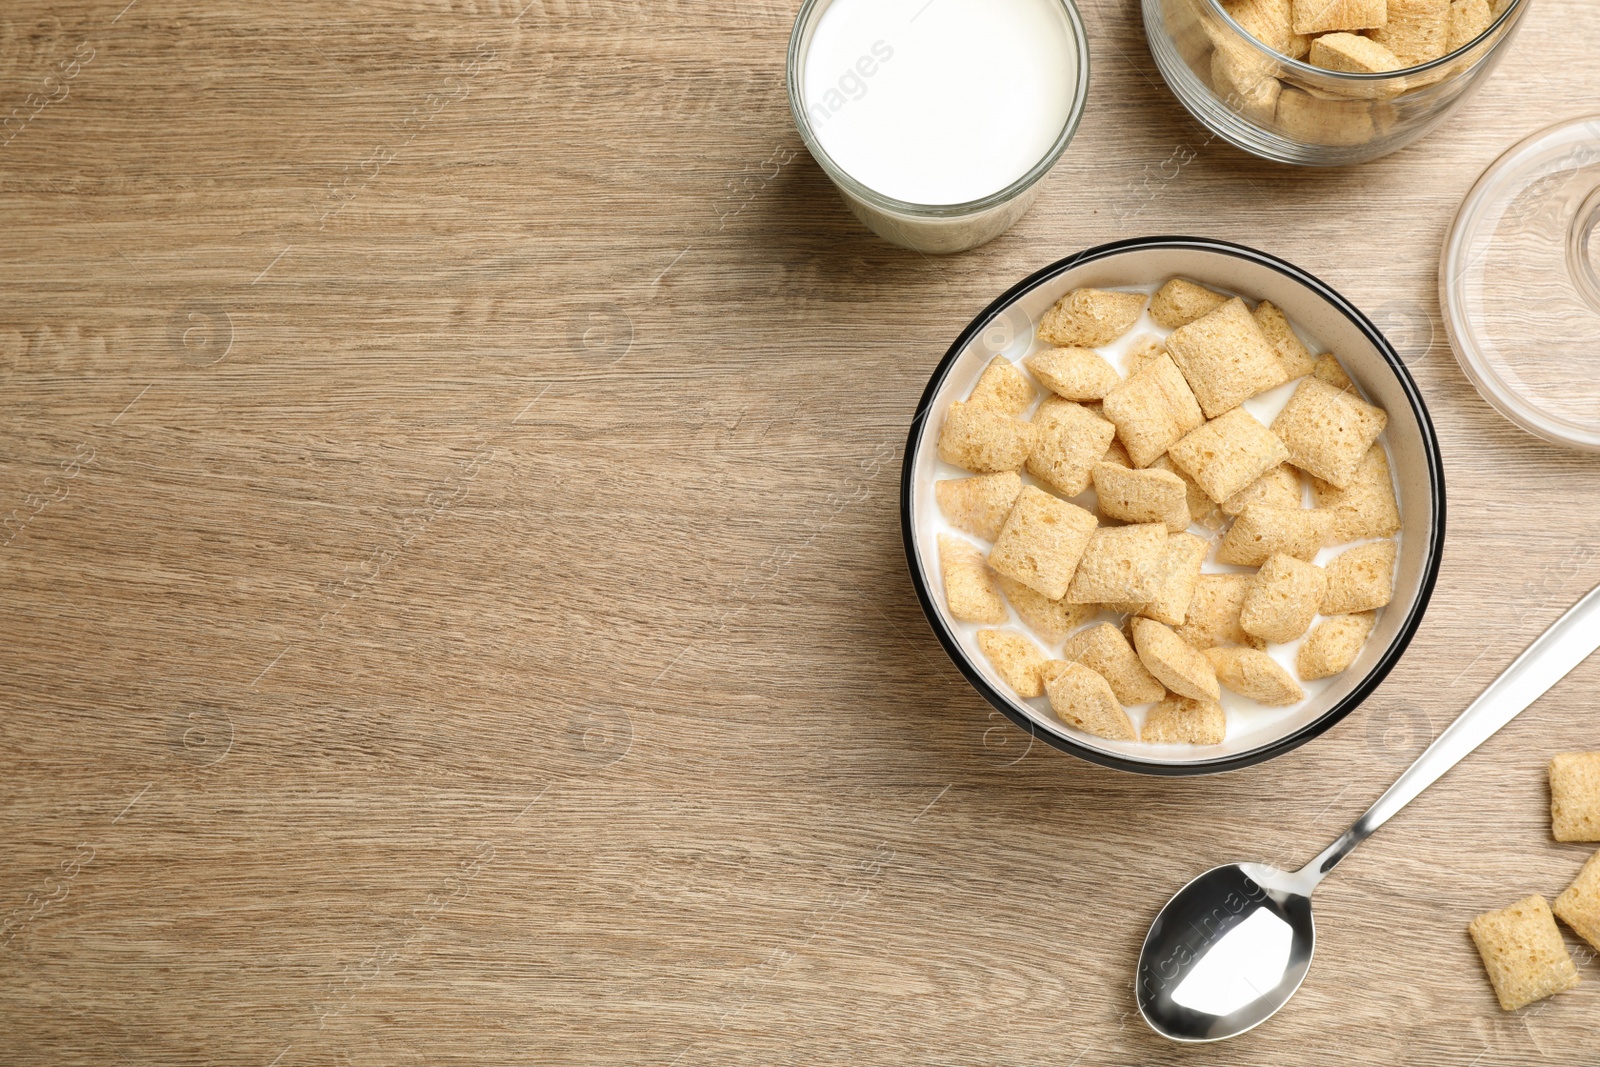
[{"x": 1333, "y": 715}]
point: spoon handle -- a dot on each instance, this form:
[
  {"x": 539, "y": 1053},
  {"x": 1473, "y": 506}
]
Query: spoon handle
[{"x": 1545, "y": 662}]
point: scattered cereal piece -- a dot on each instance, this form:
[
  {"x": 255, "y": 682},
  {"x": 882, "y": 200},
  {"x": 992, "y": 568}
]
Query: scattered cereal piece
[
  {"x": 1090, "y": 318},
  {"x": 1292, "y": 352},
  {"x": 1002, "y": 387},
  {"x": 1117, "y": 454},
  {"x": 1328, "y": 430},
  {"x": 1360, "y": 579},
  {"x": 1333, "y": 122},
  {"x": 1225, "y": 358},
  {"x": 1083, "y": 699},
  {"x": 1041, "y": 543},
  {"x": 1202, "y": 509},
  {"x": 1152, "y": 410},
  {"x": 1180, "y": 301},
  {"x": 1213, "y": 617},
  {"x": 1261, "y": 531},
  {"x": 1352, "y": 54},
  {"x": 1074, "y": 373},
  {"x": 1364, "y": 508},
  {"x": 1523, "y": 952},
  {"x": 1176, "y": 664},
  {"x": 1181, "y": 721},
  {"x": 1017, "y": 659},
  {"x": 1320, "y": 16},
  {"x": 1575, "y": 796},
  {"x": 979, "y": 505},
  {"x": 1333, "y": 645},
  {"x": 1142, "y": 352},
  {"x": 969, "y": 589},
  {"x": 1328, "y": 368},
  {"x": 1180, "y": 576},
  {"x": 1272, "y": 23},
  {"x": 1071, "y": 439},
  {"x": 1282, "y": 599},
  {"x": 1122, "y": 563},
  {"x": 1105, "y": 651},
  {"x": 1228, "y": 453},
  {"x": 1255, "y": 675},
  {"x": 1417, "y": 31},
  {"x": 1579, "y": 905},
  {"x": 1278, "y": 488},
  {"x": 984, "y": 440},
  {"x": 1052, "y": 620},
  {"x": 1469, "y": 19},
  {"x": 1149, "y": 495}
]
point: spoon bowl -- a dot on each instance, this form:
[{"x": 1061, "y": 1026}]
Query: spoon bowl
[{"x": 1226, "y": 952}]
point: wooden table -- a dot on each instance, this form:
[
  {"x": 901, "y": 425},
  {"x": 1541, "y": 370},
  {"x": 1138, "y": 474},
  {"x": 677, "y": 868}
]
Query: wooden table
[{"x": 454, "y": 608}]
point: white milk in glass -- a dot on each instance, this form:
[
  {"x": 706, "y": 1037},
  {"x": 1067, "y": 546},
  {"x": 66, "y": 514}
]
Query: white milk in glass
[{"x": 939, "y": 102}]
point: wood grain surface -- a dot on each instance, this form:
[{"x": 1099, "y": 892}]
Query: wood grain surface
[{"x": 453, "y": 602}]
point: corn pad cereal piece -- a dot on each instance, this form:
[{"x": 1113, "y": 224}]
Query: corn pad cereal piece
[
  {"x": 1071, "y": 439},
  {"x": 1074, "y": 373},
  {"x": 1116, "y": 455},
  {"x": 1202, "y": 509},
  {"x": 1575, "y": 796},
  {"x": 1352, "y": 54},
  {"x": 1360, "y": 579},
  {"x": 1089, "y": 318},
  {"x": 1293, "y": 355},
  {"x": 1246, "y": 83},
  {"x": 1333, "y": 645},
  {"x": 1213, "y": 617},
  {"x": 1052, "y": 620},
  {"x": 1262, "y": 531},
  {"x": 1141, "y": 352},
  {"x": 1579, "y": 905},
  {"x": 1280, "y": 487},
  {"x": 1081, "y": 698},
  {"x": 1255, "y": 675},
  {"x": 1364, "y": 508},
  {"x": 1523, "y": 952},
  {"x": 1180, "y": 721},
  {"x": 1152, "y": 410},
  {"x": 969, "y": 589},
  {"x": 1225, "y": 358},
  {"x": 1003, "y": 387},
  {"x": 1328, "y": 430},
  {"x": 1180, "y": 301},
  {"x": 1337, "y": 123},
  {"x": 1328, "y": 368},
  {"x": 1320, "y": 16},
  {"x": 983, "y": 440},
  {"x": 1228, "y": 453},
  {"x": 1105, "y": 651},
  {"x": 1272, "y": 23},
  {"x": 978, "y": 505},
  {"x": 1175, "y": 663},
  {"x": 1180, "y": 577},
  {"x": 1122, "y": 563},
  {"x": 1149, "y": 495},
  {"x": 1041, "y": 542},
  {"x": 1282, "y": 599},
  {"x": 1417, "y": 31},
  {"x": 1469, "y": 19},
  {"x": 1016, "y": 659}
]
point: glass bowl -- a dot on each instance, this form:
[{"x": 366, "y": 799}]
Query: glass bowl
[
  {"x": 1288, "y": 111},
  {"x": 1007, "y": 327}
]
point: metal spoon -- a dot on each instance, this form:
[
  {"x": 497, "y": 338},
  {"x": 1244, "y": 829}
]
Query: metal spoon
[{"x": 1233, "y": 946}]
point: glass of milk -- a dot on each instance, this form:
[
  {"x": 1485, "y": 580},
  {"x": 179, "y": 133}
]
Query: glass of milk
[{"x": 937, "y": 118}]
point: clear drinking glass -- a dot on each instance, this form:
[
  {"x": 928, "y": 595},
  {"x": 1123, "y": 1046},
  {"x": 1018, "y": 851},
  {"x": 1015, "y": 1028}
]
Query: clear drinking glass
[
  {"x": 1289, "y": 111},
  {"x": 937, "y": 228}
]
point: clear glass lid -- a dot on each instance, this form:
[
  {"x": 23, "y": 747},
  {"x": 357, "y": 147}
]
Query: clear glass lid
[{"x": 1519, "y": 284}]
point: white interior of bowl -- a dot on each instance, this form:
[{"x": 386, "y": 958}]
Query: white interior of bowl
[{"x": 1009, "y": 332}]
